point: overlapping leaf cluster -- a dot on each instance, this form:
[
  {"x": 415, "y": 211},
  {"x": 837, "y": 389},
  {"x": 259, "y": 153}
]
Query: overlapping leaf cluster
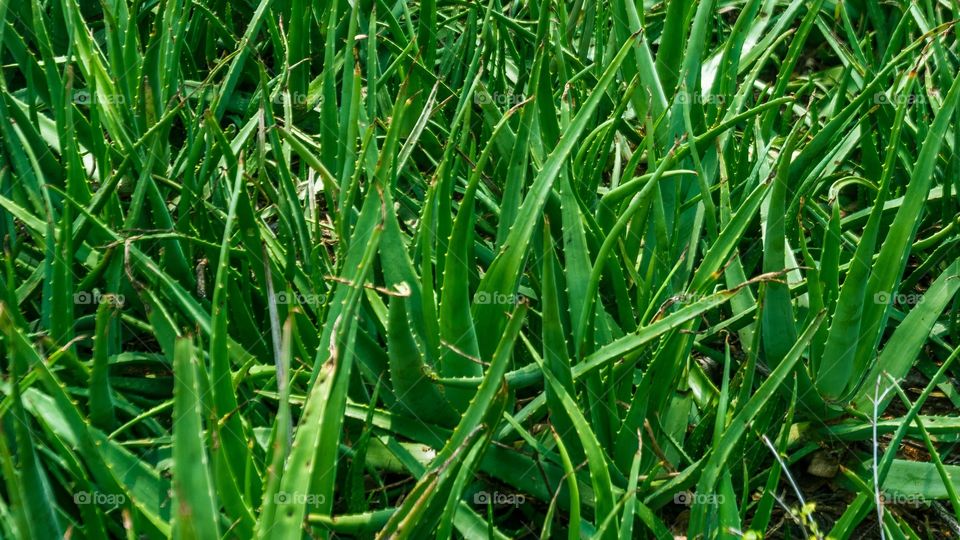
[{"x": 287, "y": 268}]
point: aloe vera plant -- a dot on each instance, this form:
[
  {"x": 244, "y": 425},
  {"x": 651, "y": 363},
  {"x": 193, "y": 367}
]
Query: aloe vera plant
[{"x": 407, "y": 269}]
